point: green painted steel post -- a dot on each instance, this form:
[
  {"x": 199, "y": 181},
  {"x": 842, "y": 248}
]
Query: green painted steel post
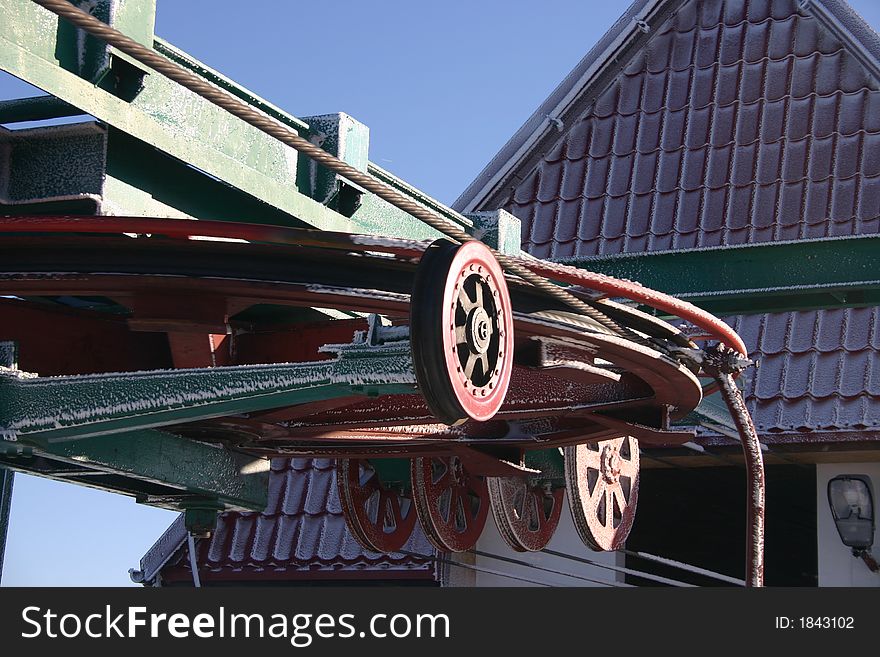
[
  {"x": 499, "y": 229},
  {"x": 8, "y": 353},
  {"x": 6, "y": 478}
]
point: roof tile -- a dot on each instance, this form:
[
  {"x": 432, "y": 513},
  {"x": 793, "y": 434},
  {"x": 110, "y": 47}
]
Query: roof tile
[
  {"x": 794, "y": 160},
  {"x": 682, "y": 49},
  {"x": 731, "y": 44},
  {"x": 847, "y": 156},
  {"x": 790, "y": 203},
  {"x": 827, "y": 78},
  {"x": 718, "y": 167},
  {"x": 802, "y": 76},
  {"x": 270, "y": 544},
  {"x": 773, "y": 120},
  {"x": 799, "y": 117},
  {"x": 602, "y": 136},
  {"x": 590, "y": 224},
  {"x": 816, "y": 206},
  {"x": 625, "y": 134},
  {"x": 629, "y": 97},
  {"x": 712, "y": 220},
  {"x": 578, "y": 140},
  {"x": 870, "y": 156},
  {"x": 825, "y": 115},
  {"x": 688, "y": 220},
  {"x": 769, "y": 163},
  {"x": 621, "y": 172},
  {"x": 869, "y": 205},
  {"x": 698, "y": 126},
  {"x": 728, "y": 85},
  {"x": 694, "y": 170},
  {"x": 734, "y": 12},
  {"x": 549, "y": 183},
  {"x": 644, "y": 173},
  {"x": 843, "y": 204}
]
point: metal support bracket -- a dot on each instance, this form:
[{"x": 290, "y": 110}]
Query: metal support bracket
[{"x": 73, "y": 407}]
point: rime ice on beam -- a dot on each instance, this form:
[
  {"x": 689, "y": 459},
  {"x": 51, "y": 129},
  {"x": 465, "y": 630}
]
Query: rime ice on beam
[{"x": 78, "y": 406}]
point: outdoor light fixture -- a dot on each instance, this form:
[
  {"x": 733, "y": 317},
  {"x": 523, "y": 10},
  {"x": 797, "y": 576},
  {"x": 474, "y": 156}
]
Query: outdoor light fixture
[{"x": 852, "y": 506}]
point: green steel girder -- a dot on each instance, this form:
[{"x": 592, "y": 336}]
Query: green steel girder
[
  {"x": 144, "y": 462},
  {"x": 36, "y": 108},
  {"x": 34, "y": 47},
  {"x": 758, "y": 278},
  {"x": 36, "y": 410}
]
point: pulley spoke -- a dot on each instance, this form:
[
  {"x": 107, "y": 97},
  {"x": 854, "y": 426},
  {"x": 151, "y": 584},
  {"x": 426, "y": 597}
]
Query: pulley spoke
[
  {"x": 612, "y": 468},
  {"x": 373, "y": 512}
]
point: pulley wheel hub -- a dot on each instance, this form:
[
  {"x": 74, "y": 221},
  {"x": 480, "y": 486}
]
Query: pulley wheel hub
[{"x": 461, "y": 329}]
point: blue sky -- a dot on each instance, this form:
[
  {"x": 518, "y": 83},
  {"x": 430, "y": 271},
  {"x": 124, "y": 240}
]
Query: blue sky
[{"x": 441, "y": 86}]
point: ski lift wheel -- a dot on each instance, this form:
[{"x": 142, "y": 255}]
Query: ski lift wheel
[
  {"x": 526, "y": 512},
  {"x": 461, "y": 330},
  {"x": 602, "y": 480},
  {"x": 452, "y": 503},
  {"x": 380, "y": 516}
]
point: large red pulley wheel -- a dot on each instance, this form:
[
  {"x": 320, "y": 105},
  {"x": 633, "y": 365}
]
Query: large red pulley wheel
[
  {"x": 452, "y": 503},
  {"x": 526, "y": 513},
  {"x": 602, "y": 480},
  {"x": 461, "y": 330},
  {"x": 380, "y": 517}
]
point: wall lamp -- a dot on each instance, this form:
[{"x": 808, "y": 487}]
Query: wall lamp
[{"x": 852, "y": 505}]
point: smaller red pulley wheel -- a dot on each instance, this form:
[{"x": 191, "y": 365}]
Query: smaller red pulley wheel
[
  {"x": 526, "y": 513},
  {"x": 461, "y": 331},
  {"x": 602, "y": 480},
  {"x": 379, "y": 516},
  {"x": 452, "y": 503}
]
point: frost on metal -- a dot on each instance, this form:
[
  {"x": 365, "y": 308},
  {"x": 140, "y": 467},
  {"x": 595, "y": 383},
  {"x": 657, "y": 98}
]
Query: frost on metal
[
  {"x": 8, "y": 354},
  {"x": 390, "y": 242},
  {"x": 376, "y": 295},
  {"x": 36, "y": 404}
]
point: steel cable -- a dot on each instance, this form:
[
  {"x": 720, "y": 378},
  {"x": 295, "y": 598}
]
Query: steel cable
[
  {"x": 274, "y": 128},
  {"x": 519, "y": 562}
]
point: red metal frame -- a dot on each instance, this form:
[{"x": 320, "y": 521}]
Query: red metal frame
[{"x": 480, "y": 403}]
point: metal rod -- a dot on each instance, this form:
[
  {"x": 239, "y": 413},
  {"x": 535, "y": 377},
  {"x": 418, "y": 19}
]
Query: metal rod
[
  {"x": 193, "y": 561},
  {"x": 625, "y": 571},
  {"x": 520, "y": 562},
  {"x": 684, "y": 566},
  {"x": 8, "y": 358},
  {"x": 721, "y": 363},
  {"x": 499, "y": 573},
  {"x": 6, "y": 480}
]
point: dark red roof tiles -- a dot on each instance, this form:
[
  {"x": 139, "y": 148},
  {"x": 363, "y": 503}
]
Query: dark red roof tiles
[
  {"x": 817, "y": 370},
  {"x": 301, "y": 530},
  {"x": 738, "y": 122}
]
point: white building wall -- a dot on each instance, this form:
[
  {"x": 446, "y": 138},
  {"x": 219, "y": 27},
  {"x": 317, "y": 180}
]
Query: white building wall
[
  {"x": 565, "y": 540},
  {"x": 837, "y": 566}
]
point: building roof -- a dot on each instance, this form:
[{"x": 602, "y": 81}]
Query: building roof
[
  {"x": 731, "y": 126},
  {"x": 818, "y": 371},
  {"x": 301, "y": 534},
  {"x": 720, "y": 122},
  {"x": 699, "y": 62}
]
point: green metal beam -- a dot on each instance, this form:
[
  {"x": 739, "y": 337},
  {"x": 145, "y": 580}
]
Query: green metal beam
[
  {"x": 190, "y": 471},
  {"x": 199, "y": 469},
  {"x": 74, "y": 407},
  {"x": 181, "y": 124},
  {"x": 758, "y": 278},
  {"x": 37, "y": 108}
]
